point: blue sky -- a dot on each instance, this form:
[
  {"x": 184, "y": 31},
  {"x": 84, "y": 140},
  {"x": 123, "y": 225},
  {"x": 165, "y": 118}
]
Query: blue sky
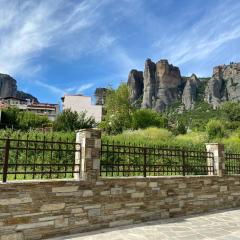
[{"x": 53, "y": 47}]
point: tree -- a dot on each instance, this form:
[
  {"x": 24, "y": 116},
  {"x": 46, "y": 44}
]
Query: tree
[
  {"x": 118, "y": 110},
  {"x": 144, "y": 118},
  {"x": 9, "y": 117},
  {"x": 70, "y": 120}
]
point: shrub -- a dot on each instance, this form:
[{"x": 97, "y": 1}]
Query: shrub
[
  {"x": 9, "y": 117},
  {"x": 215, "y": 129},
  {"x": 144, "y": 118},
  {"x": 231, "y": 111},
  {"x": 28, "y": 120},
  {"x": 179, "y": 128},
  {"x": 70, "y": 121},
  {"x": 14, "y": 118}
]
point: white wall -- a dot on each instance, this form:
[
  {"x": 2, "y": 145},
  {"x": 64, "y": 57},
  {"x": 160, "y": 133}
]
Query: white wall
[{"x": 82, "y": 103}]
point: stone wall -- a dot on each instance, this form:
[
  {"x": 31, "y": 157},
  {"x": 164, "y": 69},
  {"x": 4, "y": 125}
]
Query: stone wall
[
  {"x": 42, "y": 209},
  {"x": 37, "y": 210}
]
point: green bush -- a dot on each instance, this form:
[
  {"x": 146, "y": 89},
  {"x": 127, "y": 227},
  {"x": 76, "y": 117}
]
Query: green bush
[
  {"x": 179, "y": 128},
  {"x": 17, "y": 119},
  {"x": 9, "y": 117},
  {"x": 215, "y": 129},
  {"x": 28, "y": 120},
  {"x": 68, "y": 121},
  {"x": 144, "y": 118},
  {"x": 231, "y": 111}
]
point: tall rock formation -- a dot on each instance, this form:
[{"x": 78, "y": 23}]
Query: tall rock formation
[
  {"x": 231, "y": 76},
  {"x": 161, "y": 84},
  {"x": 149, "y": 90},
  {"x": 168, "y": 82},
  {"x": 224, "y": 85},
  {"x": 100, "y": 94},
  {"x": 135, "y": 86},
  {"x": 189, "y": 95},
  {"x": 8, "y": 88}
]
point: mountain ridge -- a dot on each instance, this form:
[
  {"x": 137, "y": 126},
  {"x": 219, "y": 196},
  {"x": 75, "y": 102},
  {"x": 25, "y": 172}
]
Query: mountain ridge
[{"x": 160, "y": 85}]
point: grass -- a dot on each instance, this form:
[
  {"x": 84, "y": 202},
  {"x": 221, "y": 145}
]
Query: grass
[
  {"x": 163, "y": 137},
  {"x": 158, "y": 137}
]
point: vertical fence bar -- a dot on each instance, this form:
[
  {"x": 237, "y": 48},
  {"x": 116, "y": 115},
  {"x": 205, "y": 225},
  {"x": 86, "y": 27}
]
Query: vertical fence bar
[
  {"x": 183, "y": 163},
  {"x": 6, "y": 158},
  {"x": 145, "y": 162}
]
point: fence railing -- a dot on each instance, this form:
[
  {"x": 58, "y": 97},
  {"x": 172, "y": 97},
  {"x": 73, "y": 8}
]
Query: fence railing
[
  {"x": 23, "y": 159},
  {"x": 232, "y": 163},
  {"x": 131, "y": 160}
]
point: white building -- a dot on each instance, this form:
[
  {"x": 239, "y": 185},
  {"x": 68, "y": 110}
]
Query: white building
[{"x": 80, "y": 103}]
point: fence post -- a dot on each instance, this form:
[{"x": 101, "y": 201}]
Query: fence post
[
  {"x": 145, "y": 162},
  {"x": 6, "y": 158},
  {"x": 183, "y": 163},
  {"x": 89, "y": 160},
  {"x": 218, "y": 160}
]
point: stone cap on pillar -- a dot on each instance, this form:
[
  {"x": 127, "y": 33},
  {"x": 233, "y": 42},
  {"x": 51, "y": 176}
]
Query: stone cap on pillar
[
  {"x": 213, "y": 144},
  {"x": 88, "y": 129},
  {"x": 89, "y": 133}
]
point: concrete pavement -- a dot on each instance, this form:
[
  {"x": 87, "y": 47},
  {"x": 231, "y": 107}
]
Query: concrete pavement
[{"x": 217, "y": 225}]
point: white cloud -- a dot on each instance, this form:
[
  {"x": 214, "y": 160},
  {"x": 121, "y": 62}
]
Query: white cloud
[
  {"x": 218, "y": 26},
  {"x": 29, "y": 28},
  {"x": 50, "y": 87},
  {"x": 84, "y": 87},
  {"x": 60, "y": 92}
]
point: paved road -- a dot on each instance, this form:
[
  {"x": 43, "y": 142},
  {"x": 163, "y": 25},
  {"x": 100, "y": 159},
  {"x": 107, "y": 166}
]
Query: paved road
[{"x": 219, "y": 225}]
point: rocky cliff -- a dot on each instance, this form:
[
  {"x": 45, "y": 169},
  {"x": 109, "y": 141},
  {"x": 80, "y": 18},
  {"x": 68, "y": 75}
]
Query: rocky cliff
[
  {"x": 8, "y": 88},
  {"x": 224, "y": 85},
  {"x": 189, "y": 96},
  {"x": 162, "y": 85},
  {"x": 135, "y": 83},
  {"x": 159, "y": 86},
  {"x": 100, "y": 95}
]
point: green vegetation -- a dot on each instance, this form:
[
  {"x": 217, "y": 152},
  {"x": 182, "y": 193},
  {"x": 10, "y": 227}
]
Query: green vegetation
[
  {"x": 215, "y": 129},
  {"x": 158, "y": 137},
  {"x": 66, "y": 121},
  {"x": 119, "y": 111},
  {"x": 125, "y": 123},
  {"x": 69, "y": 121},
  {"x": 14, "y": 118},
  {"x": 143, "y": 118},
  {"x": 39, "y": 135},
  {"x": 175, "y": 127},
  {"x": 163, "y": 137}
]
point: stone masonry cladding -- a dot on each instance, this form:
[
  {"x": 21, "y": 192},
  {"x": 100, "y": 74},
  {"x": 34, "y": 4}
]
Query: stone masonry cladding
[{"x": 42, "y": 209}]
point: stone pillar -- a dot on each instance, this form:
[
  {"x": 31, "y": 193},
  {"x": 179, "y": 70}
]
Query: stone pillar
[
  {"x": 218, "y": 158},
  {"x": 90, "y": 140}
]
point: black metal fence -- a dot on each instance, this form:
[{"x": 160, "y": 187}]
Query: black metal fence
[
  {"x": 232, "y": 163},
  {"x": 132, "y": 160},
  {"x": 23, "y": 159}
]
